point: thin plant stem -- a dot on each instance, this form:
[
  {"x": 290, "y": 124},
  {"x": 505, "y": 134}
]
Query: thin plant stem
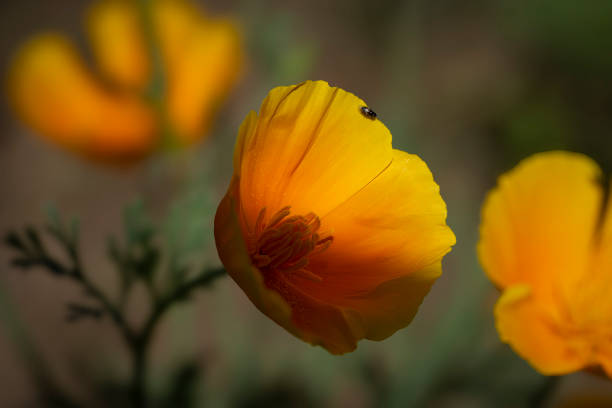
[
  {"x": 142, "y": 339},
  {"x": 31, "y": 251},
  {"x": 138, "y": 341},
  {"x": 108, "y": 306},
  {"x": 544, "y": 392},
  {"x": 34, "y": 253}
]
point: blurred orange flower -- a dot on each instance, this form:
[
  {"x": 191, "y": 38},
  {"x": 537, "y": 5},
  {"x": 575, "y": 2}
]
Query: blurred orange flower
[
  {"x": 546, "y": 241},
  {"x": 329, "y": 231},
  {"x": 114, "y": 119}
]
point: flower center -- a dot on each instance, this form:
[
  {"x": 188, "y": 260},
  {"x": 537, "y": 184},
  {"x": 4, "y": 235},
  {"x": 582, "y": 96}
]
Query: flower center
[{"x": 286, "y": 242}]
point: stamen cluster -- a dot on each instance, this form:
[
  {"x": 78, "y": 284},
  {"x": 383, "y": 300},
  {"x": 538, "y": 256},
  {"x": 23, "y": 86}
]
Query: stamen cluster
[{"x": 284, "y": 243}]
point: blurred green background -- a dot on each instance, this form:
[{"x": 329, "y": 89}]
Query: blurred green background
[{"x": 471, "y": 87}]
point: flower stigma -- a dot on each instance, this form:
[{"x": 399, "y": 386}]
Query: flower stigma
[{"x": 285, "y": 243}]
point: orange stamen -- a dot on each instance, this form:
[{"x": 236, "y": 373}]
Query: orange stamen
[{"x": 285, "y": 243}]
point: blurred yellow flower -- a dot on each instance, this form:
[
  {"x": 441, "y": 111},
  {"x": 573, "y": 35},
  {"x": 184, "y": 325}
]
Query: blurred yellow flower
[
  {"x": 546, "y": 241},
  {"x": 113, "y": 119},
  {"x": 328, "y": 230}
]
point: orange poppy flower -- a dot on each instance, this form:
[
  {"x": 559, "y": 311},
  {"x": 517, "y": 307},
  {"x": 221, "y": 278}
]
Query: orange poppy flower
[
  {"x": 54, "y": 92},
  {"x": 546, "y": 241},
  {"x": 328, "y": 230}
]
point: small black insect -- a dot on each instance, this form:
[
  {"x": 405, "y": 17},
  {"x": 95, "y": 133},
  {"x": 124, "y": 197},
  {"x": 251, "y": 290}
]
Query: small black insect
[{"x": 368, "y": 113}]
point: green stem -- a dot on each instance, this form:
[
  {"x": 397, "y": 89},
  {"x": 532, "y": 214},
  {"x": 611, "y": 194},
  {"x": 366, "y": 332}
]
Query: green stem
[
  {"x": 43, "y": 377},
  {"x": 137, "y": 340},
  {"x": 139, "y": 379},
  {"x": 544, "y": 392},
  {"x": 142, "y": 340},
  {"x": 156, "y": 89},
  {"x": 109, "y": 307},
  {"x": 179, "y": 293}
]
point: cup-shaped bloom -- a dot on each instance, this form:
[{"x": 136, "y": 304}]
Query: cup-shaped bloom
[
  {"x": 188, "y": 62},
  {"x": 546, "y": 242},
  {"x": 327, "y": 229}
]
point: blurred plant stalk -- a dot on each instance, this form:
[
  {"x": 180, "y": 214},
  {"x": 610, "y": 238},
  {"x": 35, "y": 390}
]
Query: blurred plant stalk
[{"x": 137, "y": 260}]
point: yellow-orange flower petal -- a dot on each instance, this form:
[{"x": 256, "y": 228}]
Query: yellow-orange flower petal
[
  {"x": 114, "y": 117},
  {"x": 527, "y": 324},
  {"x": 349, "y": 232},
  {"x": 52, "y": 91},
  {"x": 234, "y": 255},
  {"x": 540, "y": 220},
  {"x": 117, "y": 37},
  {"x": 201, "y": 78},
  {"x": 175, "y": 22},
  {"x": 397, "y": 225},
  {"x": 202, "y": 57},
  {"x": 543, "y": 243},
  {"x": 306, "y": 130}
]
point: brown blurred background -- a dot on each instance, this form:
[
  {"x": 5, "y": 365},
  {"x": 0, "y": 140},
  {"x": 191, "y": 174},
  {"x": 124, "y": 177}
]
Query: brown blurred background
[{"x": 471, "y": 89}]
